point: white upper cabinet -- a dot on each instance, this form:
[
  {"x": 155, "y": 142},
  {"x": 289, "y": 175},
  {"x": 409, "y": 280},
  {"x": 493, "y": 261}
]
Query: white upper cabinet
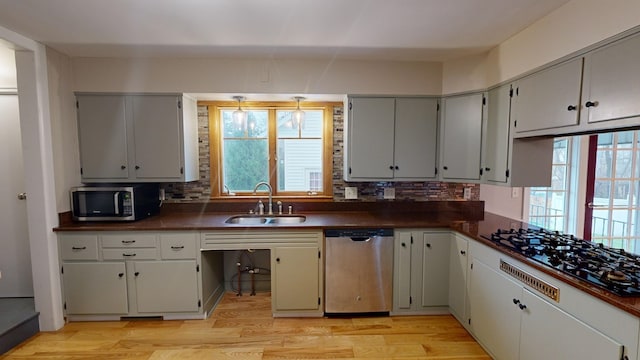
[
  {"x": 102, "y": 128},
  {"x": 497, "y": 142},
  {"x": 137, "y": 138},
  {"x": 612, "y": 81},
  {"x": 548, "y": 99},
  {"x": 391, "y": 139},
  {"x": 508, "y": 161},
  {"x": 461, "y": 137}
]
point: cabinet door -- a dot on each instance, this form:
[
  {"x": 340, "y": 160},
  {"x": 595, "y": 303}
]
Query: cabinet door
[
  {"x": 458, "y": 277},
  {"x": 611, "y": 77},
  {"x": 435, "y": 269},
  {"x": 295, "y": 278},
  {"x": 402, "y": 274},
  {"x": 496, "y": 147},
  {"x": 541, "y": 324},
  {"x": 370, "y": 134},
  {"x": 495, "y": 319},
  {"x": 166, "y": 286},
  {"x": 549, "y": 98},
  {"x": 95, "y": 288},
  {"x": 102, "y": 129},
  {"x": 157, "y": 129},
  {"x": 416, "y": 143},
  {"x": 461, "y": 137}
]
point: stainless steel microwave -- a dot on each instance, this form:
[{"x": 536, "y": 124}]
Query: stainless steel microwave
[{"x": 114, "y": 203}]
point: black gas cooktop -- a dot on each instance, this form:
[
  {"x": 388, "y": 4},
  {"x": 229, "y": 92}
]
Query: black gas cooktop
[{"x": 611, "y": 269}]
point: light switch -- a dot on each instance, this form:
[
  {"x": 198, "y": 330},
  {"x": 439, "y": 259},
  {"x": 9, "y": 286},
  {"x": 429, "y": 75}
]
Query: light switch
[
  {"x": 350, "y": 192},
  {"x": 467, "y": 193},
  {"x": 389, "y": 193}
]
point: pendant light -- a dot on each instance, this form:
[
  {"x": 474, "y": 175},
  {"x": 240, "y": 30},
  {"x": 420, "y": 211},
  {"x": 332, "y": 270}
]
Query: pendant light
[
  {"x": 297, "y": 116},
  {"x": 239, "y": 116}
]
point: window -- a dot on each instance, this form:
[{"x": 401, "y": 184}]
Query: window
[
  {"x": 615, "y": 202},
  {"x": 550, "y": 207},
  {"x": 294, "y": 160}
]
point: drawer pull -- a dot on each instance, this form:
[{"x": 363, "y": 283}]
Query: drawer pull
[
  {"x": 177, "y": 247},
  {"x": 120, "y": 274},
  {"x": 78, "y": 248},
  {"x": 128, "y": 241},
  {"x": 128, "y": 255}
]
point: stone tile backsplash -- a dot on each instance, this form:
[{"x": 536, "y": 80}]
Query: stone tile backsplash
[{"x": 200, "y": 191}]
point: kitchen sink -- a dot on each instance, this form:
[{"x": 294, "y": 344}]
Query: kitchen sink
[{"x": 266, "y": 219}]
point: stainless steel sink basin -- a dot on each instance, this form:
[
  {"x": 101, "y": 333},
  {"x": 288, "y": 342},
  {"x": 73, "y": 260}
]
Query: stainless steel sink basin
[{"x": 266, "y": 219}]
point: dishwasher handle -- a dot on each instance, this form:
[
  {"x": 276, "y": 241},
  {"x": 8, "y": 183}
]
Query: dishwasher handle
[{"x": 361, "y": 238}]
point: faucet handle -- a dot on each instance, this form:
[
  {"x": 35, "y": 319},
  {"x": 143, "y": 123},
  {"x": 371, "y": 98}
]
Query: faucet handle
[{"x": 279, "y": 207}]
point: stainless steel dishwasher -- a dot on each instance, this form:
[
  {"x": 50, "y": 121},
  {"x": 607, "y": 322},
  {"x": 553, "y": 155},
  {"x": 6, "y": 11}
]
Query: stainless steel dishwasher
[{"x": 358, "y": 271}]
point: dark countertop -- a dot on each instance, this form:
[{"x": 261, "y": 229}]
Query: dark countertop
[{"x": 487, "y": 223}]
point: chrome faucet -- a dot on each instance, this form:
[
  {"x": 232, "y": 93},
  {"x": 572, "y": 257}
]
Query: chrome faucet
[{"x": 270, "y": 205}]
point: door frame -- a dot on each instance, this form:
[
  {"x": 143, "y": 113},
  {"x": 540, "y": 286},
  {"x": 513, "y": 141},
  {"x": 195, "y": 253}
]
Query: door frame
[{"x": 37, "y": 144}]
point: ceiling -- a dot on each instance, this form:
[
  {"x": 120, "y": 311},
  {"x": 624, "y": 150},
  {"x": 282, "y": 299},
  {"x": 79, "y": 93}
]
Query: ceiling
[{"x": 404, "y": 30}]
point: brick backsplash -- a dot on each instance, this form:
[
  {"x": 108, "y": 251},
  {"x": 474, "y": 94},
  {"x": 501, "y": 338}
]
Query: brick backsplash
[{"x": 198, "y": 191}]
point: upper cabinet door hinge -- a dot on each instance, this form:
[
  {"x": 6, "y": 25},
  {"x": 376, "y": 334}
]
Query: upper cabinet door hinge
[
  {"x": 410, "y": 300},
  {"x": 62, "y": 270},
  {"x": 350, "y": 105},
  {"x": 436, "y": 172},
  {"x": 319, "y": 257},
  {"x": 438, "y": 107},
  {"x": 412, "y": 239},
  {"x": 517, "y": 91},
  {"x": 471, "y": 266},
  {"x": 81, "y": 171},
  {"x": 199, "y": 303},
  {"x": 77, "y": 104},
  {"x": 179, "y": 104},
  {"x": 511, "y": 92},
  {"x": 507, "y": 173},
  {"x": 515, "y": 123},
  {"x": 319, "y": 300},
  {"x": 181, "y": 170},
  {"x": 197, "y": 268},
  {"x": 484, "y": 100}
]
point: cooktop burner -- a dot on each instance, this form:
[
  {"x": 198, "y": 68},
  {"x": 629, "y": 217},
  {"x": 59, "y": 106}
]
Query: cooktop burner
[{"x": 612, "y": 269}]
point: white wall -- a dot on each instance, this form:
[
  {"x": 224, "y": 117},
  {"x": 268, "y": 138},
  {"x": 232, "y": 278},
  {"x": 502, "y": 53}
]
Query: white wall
[
  {"x": 257, "y": 76},
  {"x": 7, "y": 69},
  {"x": 64, "y": 129},
  {"x": 574, "y": 26}
]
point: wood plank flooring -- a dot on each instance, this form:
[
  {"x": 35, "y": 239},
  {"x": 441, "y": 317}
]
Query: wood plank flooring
[{"x": 242, "y": 328}]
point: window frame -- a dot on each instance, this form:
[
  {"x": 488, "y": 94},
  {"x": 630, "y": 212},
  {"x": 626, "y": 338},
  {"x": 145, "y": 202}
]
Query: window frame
[{"x": 216, "y": 143}]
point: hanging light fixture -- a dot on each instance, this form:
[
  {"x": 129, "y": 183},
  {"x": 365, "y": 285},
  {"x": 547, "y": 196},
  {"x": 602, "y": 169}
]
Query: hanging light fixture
[
  {"x": 239, "y": 116},
  {"x": 297, "y": 116}
]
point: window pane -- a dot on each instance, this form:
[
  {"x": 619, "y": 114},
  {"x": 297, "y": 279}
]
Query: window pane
[
  {"x": 299, "y": 164},
  {"x": 600, "y": 224},
  {"x": 603, "y": 163},
  {"x": 285, "y": 125},
  {"x": 313, "y": 124},
  {"x": 560, "y": 151},
  {"x": 625, "y": 139},
  {"x": 558, "y": 177},
  {"x": 623, "y": 163},
  {"x": 256, "y": 125},
  {"x": 245, "y": 163},
  {"x": 601, "y": 192},
  {"x": 619, "y": 222},
  {"x": 605, "y": 140}
]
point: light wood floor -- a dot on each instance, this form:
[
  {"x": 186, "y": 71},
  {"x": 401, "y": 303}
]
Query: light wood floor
[{"x": 242, "y": 328}]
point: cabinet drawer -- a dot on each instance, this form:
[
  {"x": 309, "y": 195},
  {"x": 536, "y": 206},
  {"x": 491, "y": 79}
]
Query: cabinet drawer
[
  {"x": 129, "y": 254},
  {"x": 79, "y": 247},
  {"x": 178, "y": 246},
  {"x": 131, "y": 240}
]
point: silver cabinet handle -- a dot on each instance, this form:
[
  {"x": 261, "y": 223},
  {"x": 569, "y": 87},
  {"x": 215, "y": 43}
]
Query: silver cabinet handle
[
  {"x": 177, "y": 247},
  {"x": 22, "y": 196}
]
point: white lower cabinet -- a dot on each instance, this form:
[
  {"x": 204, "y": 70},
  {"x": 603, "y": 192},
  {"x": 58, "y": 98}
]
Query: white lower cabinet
[
  {"x": 95, "y": 288},
  {"x": 295, "y": 278},
  {"x": 421, "y": 268},
  {"x": 106, "y": 275},
  {"x": 458, "y": 277},
  {"x": 511, "y": 320},
  {"x": 166, "y": 286}
]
